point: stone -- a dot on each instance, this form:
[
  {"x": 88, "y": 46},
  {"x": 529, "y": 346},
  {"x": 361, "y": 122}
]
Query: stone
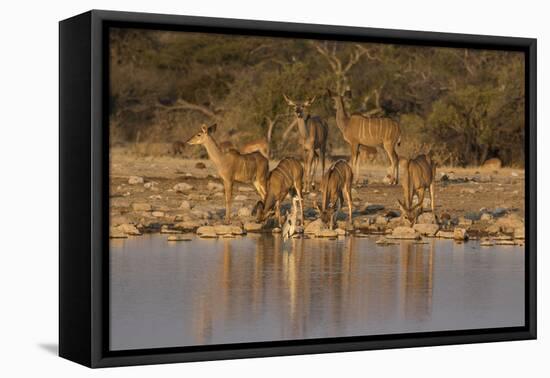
[
  {"x": 460, "y": 234},
  {"x": 134, "y": 180},
  {"x": 392, "y": 214},
  {"x": 519, "y": 233},
  {"x": 372, "y": 208},
  {"x": 115, "y": 233},
  {"x": 183, "y": 187},
  {"x": 128, "y": 229},
  {"x": 425, "y": 218},
  {"x": 158, "y": 214},
  {"x": 486, "y": 217},
  {"x": 185, "y": 205},
  {"x": 445, "y": 234},
  {"x": 314, "y": 227},
  {"x": 426, "y": 229},
  {"x": 179, "y": 237},
  {"x": 403, "y": 232},
  {"x": 505, "y": 242},
  {"x": 510, "y": 223},
  {"x": 141, "y": 207},
  {"x": 472, "y": 216},
  {"x": 244, "y": 212},
  {"x": 165, "y": 229},
  {"x": 502, "y": 237},
  {"x": 341, "y": 232},
  {"x": 119, "y": 219},
  {"x": 214, "y": 186},
  {"x": 383, "y": 241},
  {"x": 381, "y": 220},
  {"x": 253, "y": 227},
  {"x": 240, "y": 197},
  {"x": 200, "y": 165},
  {"x": 224, "y": 229},
  {"x": 499, "y": 212},
  {"x": 276, "y": 230},
  {"x": 326, "y": 233},
  {"x": 486, "y": 242},
  {"x": 188, "y": 225},
  {"x": 493, "y": 229},
  {"x": 464, "y": 222},
  {"x": 207, "y": 232},
  {"x": 245, "y": 189}
]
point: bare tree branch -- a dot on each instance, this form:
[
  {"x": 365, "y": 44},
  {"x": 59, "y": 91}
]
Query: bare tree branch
[{"x": 181, "y": 104}]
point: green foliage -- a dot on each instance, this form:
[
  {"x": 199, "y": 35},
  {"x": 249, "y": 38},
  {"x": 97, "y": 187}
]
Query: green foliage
[{"x": 464, "y": 105}]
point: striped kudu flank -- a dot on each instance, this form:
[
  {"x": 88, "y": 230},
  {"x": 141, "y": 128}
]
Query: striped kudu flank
[
  {"x": 359, "y": 130},
  {"x": 313, "y": 134},
  {"x": 336, "y": 185},
  {"x": 417, "y": 176},
  {"x": 233, "y": 166}
]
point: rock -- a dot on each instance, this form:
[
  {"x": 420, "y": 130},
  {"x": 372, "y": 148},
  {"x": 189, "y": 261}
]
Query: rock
[
  {"x": 185, "y": 205},
  {"x": 514, "y": 174},
  {"x": 141, "y": 207},
  {"x": 510, "y": 223},
  {"x": 115, "y": 233},
  {"x": 472, "y": 216},
  {"x": 134, "y": 180},
  {"x": 180, "y": 237},
  {"x": 187, "y": 225},
  {"x": 200, "y": 165},
  {"x": 426, "y": 229},
  {"x": 150, "y": 185},
  {"x": 519, "y": 233},
  {"x": 384, "y": 241},
  {"x": 155, "y": 197},
  {"x": 464, "y": 222},
  {"x": 340, "y": 232},
  {"x": 128, "y": 229},
  {"x": 499, "y": 212},
  {"x": 182, "y": 187},
  {"x": 203, "y": 214},
  {"x": 244, "y": 212},
  {"x": 224, "y": 229},
  {"x": 214, "y": 186},
  {"x": 492, "y": 164},
  {"x": 119, "y": 219},
  {"x": 445, "y": 234},
  {"x": 276, "y": 230},
  {"x": 207, "y": 232},
  {"x": 460, "y": 234},
  {"x": 486, "y": 217},
  {"x": 403, "y": 232},
  {"x": 425, "y": 218},
  {"x": 158, "y": 214},
  {"x": 310, "y": 213},
  {"x": 502, "y": 237},
  {"x": 165, "y": 229},
  {"x": 245, "y": 189},
  {"x": 493, "y": 229},
  {"x": 326, "y": 233},
  {"x": 505, "y": 242},
  {"x": 392, "y": 214},
  {"x": 240, "y": 197},
  {"x": 253, "y": 227},
  {"x": 486, "y": 242},
  {"x": 381, "y": 220},
  {"x": 314, "y": 227},
  {"x": 372, "y": 208}
]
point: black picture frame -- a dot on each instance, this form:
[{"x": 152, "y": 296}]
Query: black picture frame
[{"x": 83, "y": 196}]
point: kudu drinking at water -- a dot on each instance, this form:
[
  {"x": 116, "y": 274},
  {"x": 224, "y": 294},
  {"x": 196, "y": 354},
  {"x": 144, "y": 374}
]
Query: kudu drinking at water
[
  {"x": 313, "y": 134},
  {"x": 336, "y": 185},
  {"x": 233, "y": 166},
  {"x": 417, "y": 175},
  {"x": 284, "y": 179},
  {"x": 359, "y": 130}
]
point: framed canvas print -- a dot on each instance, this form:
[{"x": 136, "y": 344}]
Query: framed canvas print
[{"x": 233, "y": 188}]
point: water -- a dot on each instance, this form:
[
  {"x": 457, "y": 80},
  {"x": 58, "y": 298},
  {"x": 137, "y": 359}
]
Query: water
[{"x": 257, "y": 288}]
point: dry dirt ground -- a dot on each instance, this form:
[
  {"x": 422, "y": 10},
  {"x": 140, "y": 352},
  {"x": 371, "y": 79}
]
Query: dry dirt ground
[{"x": 145, "y": 193}]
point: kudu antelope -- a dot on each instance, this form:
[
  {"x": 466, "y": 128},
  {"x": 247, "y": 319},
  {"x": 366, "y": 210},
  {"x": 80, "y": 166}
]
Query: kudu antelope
[
  {"x": 284, "y": 179},
  {"x": 336, "y": 185},
  {"x": 417, "y": 175},
  {"x": 261, "y": 145},
  {"x": 314, "y": 134},
  {"x": 359, "y": 130},
  {"x": 233, "y": 166}
]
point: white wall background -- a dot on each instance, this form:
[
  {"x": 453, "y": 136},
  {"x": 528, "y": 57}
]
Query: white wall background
[{"x": 29, "y": 186}]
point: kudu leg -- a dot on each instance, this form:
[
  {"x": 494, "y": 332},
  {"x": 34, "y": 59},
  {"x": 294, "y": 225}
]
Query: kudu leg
[
  {"x": 228, "y": 186},
  {"x": 432, "y": 198},
  {"x": 347, "y": 194},
  {"x": 394, "y": 161},
  {"x": 355, "y": 161}
]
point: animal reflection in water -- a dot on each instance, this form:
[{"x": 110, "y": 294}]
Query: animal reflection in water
[{"x": 311, "y": 279}]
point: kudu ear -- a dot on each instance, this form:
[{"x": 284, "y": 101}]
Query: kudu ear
[
  {"x": 289, "y": 101},
  {"x": 212, "y": 129},
  {"x": 310, "y": 101},
  {"x": 204, "y": 128}
]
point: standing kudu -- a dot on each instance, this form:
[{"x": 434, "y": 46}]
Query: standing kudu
[
  {"x": 314, "y": 134},
  {"x": 417, "y": 175},
  {"x": 284, "y": 179},
  {"x": 336, "y": 185},
  {"x": 233, "y": 166},
  {"x": 359, "y": 130}
]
